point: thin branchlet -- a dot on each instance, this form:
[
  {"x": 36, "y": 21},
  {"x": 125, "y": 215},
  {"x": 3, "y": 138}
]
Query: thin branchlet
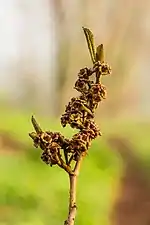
[{"x": 79, "y": 114}]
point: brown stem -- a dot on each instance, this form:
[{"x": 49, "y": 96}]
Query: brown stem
[{"x": 72, "y": 196}]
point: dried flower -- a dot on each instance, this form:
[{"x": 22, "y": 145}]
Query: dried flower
[{"x": 79, "y": 114}]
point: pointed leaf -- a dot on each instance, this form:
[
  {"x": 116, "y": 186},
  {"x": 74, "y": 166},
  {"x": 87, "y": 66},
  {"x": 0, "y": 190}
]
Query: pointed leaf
[
  {"x": 90, "y": 42},
  {"x": 36, "y": 125}
]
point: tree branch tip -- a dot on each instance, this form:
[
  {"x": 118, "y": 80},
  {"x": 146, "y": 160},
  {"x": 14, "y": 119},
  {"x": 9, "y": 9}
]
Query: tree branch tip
[{"x": 36, "y": 125}]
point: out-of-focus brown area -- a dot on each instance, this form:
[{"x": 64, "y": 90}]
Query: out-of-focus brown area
[
  {"x": 132, "y": 205},
  {"x": 9, "y": 144}
]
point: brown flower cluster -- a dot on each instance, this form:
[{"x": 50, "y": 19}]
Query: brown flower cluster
[{"x": 79, "y": 114}]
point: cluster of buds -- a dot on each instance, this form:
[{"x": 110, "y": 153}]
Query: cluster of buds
[{"x": 79, "y": 114}]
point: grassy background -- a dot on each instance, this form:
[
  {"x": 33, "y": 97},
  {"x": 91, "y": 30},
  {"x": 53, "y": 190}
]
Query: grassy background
[{"x": 33, "y": 193}]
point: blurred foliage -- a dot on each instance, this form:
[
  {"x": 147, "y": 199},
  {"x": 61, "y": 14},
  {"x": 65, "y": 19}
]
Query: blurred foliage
[{"x": 33, "y": 193}]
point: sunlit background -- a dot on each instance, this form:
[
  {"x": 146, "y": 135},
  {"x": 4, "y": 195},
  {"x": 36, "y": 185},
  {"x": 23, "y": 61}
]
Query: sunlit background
[{"x": 42, "y": 49}]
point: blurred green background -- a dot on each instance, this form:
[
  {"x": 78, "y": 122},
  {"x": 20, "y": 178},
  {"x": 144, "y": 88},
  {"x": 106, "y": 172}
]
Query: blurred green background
[{"x": 42, "y": 49}]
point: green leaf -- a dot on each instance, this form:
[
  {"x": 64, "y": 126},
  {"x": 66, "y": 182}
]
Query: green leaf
[
  {"x": 36, "y": 125},
  {"x": 100, "y": 53},
  {"x": 90, "y": 42}
]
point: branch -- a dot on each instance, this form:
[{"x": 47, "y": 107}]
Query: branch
[
  {"x": 79, "y": 114},
  {"x": 72, "y": 196}
]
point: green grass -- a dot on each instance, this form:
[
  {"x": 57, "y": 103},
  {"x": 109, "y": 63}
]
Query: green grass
[{"x": 33, "y": 193}]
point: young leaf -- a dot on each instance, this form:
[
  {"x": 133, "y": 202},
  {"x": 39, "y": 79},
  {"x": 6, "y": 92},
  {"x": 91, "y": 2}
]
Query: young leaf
[
  {"x": 36, "y": 125},
  {"x": 90, "y": 42},
  {"x": 100, "y": 53}
]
